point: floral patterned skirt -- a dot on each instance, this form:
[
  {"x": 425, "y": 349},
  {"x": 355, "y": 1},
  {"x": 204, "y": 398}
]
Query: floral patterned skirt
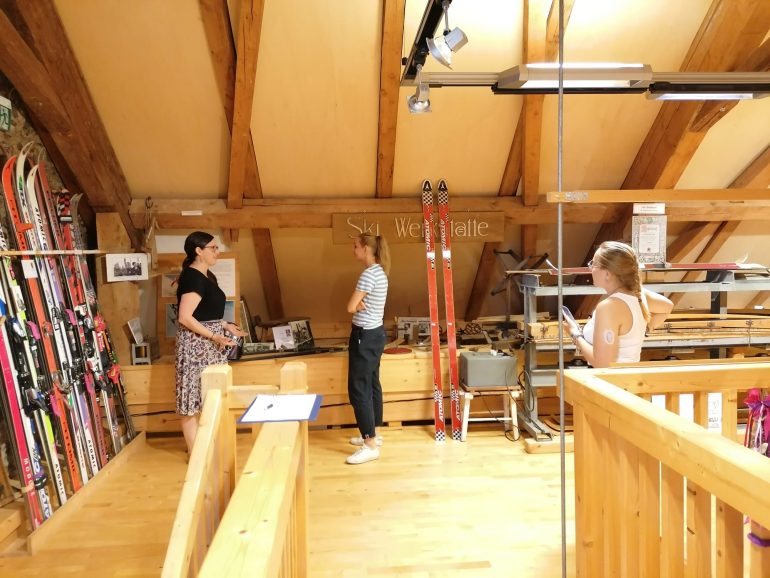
[{"x": 194, "y": 353}]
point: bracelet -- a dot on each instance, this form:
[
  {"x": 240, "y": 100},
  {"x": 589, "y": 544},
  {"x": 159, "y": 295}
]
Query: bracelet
[
  {"x": 212, "y": 336},
  {"x": 575, "y": 337}
]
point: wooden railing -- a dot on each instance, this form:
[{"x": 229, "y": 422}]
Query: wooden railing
[
  {"x": 645, "y": 477},
  {"x": 257, "y": 526}
]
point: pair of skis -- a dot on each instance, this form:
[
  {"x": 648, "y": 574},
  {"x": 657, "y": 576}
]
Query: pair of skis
[{"x": 428, "y": 213}]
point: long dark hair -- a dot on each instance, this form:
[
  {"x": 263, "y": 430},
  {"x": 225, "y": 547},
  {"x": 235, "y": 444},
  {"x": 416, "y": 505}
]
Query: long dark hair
[{"x": 196, "y": 240}]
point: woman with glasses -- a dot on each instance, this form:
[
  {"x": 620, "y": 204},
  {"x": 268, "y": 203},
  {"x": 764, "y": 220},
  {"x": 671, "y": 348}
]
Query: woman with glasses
[
  {"x": 200, "y": 339},
  {"x": 616, "y": 330},
  {"x": 366, "y": 344}
]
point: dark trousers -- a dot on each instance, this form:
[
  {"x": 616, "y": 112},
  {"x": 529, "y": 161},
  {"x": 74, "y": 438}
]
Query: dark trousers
[{"x": 364, "y": 390}]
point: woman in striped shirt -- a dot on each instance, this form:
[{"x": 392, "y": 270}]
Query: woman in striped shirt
[{"x": 367, "y": 341}]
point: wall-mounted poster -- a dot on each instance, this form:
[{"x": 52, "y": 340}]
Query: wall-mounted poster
[
  {"x": 127, "y": 267},
  {"x": 224, "y": 269}
]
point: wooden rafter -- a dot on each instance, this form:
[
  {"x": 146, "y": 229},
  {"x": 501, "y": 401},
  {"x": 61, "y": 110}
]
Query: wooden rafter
[
  {"x": 217, "y": 24},
  {"x": 707, "y": 254},
  {"x": 757, "y": 174},
  {"x": 390, "y": 73},
  {"x": 30, "y": 78},
  {"x": 216, "y": 21},
  {"x": 541, "y": 38},
  {"x": 552, "y": 28},
  {"x": 758, "y": 299},
  {"x": 268, "y": 272},
  {"x": 247, "y": 53},
  {"x": 690, "y": 238},
  {"x": 731, "y": 31},
  {"x": 534, "y": 49},
  {"x": 83, "y": 145},
  {"x": 317, "y": 213},
  {"x": 710, "y": 112}
]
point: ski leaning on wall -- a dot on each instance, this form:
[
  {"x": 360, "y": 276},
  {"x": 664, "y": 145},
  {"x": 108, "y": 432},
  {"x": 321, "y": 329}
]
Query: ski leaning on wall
[
  {"x": 62, "y": 398},
  {"x": 449, "y": 303},
  {"x": 435, "y": 345}
]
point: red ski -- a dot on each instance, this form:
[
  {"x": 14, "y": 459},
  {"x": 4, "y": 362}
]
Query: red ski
[
  {"x": 449, "y": 303},
  {"x": 430, "y": 249}
]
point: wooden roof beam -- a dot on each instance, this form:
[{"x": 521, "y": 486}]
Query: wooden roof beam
[
  {"x": 247, "y": 53},
  {"x": 541, "y": 42},
  {"x": 552, "y": 28},
  {"x": 390, "y": 83},
  {"x": 707, "y": 254},
  {"x": 216, "y": 22},
  {"x": 730, "y": 32},
  {"x": 84, "y": 146},
  {"x": 268, "y": 272},
  {"x": 710, "y": 112},
  {"x": 218, "y": 27},
  {"x": 317, "y": 213}
]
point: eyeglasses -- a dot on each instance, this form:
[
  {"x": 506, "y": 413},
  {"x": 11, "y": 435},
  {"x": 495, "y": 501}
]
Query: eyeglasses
[{"x": 215, "y": 248}]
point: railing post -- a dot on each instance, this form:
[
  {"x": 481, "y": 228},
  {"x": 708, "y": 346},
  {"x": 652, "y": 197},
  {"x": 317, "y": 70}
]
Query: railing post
[
  {"x": 293, "y": 377},
  {"x": 221, "y": 377},
  {"x": 303, "y": 511}
]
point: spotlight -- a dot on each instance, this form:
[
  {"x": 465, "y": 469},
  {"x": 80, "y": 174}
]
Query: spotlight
[
  {"x": 451, "y": 41},
  {"x": 419, "y": 102}
]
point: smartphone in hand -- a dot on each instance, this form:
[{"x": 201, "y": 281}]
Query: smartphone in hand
[{"x": 568, "y": 315}]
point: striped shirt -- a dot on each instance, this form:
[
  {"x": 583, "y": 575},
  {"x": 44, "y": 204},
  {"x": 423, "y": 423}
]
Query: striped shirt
[{"x": 374, "y": 283}]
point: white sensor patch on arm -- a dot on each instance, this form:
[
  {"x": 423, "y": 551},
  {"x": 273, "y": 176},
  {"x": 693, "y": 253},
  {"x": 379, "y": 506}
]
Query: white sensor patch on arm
[{"x": 609, "y": 337}]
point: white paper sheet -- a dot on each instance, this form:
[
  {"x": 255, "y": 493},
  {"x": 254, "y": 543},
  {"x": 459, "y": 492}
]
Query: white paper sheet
[{"x": 286, "y": 407}]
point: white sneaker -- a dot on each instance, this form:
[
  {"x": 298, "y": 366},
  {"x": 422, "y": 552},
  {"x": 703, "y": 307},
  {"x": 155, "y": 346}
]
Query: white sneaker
[
  {"x": 363, "y": 454},
  {"x": 359, "y": 441}
]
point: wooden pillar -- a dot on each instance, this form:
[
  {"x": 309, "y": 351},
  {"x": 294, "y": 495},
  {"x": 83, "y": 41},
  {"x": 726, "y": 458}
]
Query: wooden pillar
[{"x": 118, "y": 301}]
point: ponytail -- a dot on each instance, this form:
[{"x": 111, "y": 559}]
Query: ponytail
[
  {"x": 382, "y": 253},
  {"x": 636, "y": 289},
  {"x": 379, "y": 247}
]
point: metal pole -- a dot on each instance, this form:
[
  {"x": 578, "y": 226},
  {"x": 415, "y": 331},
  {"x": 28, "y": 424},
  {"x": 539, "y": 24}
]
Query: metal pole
[{"x": 560, "y": 299}]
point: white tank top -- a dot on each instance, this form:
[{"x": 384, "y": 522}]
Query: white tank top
[{"x": 630, "y": 343}]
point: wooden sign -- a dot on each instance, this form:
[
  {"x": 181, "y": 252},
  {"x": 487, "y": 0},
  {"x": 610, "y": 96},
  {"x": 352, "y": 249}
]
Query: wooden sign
[{"x": 407, "y": 227}]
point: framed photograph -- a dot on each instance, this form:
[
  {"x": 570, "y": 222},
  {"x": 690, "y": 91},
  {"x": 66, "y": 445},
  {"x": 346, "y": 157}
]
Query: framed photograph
[
  {"x": 283, "y": 337},
  {"x": 127, "y": 267},
  {"x": 135, "y": 327}
]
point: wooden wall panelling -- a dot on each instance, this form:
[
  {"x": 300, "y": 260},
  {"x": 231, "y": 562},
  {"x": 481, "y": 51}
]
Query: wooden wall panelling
[{"x": 118, "y": 301}]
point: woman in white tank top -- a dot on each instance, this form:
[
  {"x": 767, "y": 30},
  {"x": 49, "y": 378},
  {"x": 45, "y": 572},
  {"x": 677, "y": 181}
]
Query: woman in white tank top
[{"x": 616, "y": 331}]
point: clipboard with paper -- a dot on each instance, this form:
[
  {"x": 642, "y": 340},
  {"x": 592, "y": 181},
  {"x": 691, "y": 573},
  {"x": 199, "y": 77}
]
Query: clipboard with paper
[{"x": 283, "y": 407}]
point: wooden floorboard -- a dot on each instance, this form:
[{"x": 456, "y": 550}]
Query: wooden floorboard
[
  {"x": 474, "y": 509},
  {"x": 480, "y": 508}
]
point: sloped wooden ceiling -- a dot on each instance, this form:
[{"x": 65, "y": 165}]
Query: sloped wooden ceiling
[{"x": 315, "y": 121}]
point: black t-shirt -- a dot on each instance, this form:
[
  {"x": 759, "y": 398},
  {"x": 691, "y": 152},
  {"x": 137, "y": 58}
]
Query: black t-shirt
[{"x": 212, "y": 305}]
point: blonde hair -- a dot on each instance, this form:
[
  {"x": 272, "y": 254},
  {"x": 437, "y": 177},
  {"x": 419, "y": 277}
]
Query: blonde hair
[
  {"x": 379, "y": 247},
  {"x": 621, "y": 260}
]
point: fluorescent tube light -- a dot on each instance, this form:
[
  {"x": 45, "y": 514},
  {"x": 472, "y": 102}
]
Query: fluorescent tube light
[{"x": 592, "y": 75}]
